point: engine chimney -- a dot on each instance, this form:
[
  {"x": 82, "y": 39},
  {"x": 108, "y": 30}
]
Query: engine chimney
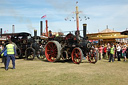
[
  {"x": 13, "y": 28},
  {"x": 1, "y": 32},
  {"x": 47, "y": 28},
  {"x": 41, "y": 27},
  {"x": 84, "y": 30},
  {"x": 35, "y": 33}
]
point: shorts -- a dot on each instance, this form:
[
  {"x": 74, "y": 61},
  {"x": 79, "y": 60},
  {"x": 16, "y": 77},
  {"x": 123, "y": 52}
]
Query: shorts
[{"x": 124, "y": 54}]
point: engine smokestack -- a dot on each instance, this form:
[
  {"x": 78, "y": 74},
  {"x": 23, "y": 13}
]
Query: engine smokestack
[
  {"x": 41, "y": 27},
  {"x": 13, "y": 28},
  {"x": 1, "y": 32},
  {"x": 35, "y": 33},
  {"x": 84, "y": 31},
  {"x": 47, "y": 28}
]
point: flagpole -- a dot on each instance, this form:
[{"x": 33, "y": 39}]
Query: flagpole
[{"x": 77, "y": 17}]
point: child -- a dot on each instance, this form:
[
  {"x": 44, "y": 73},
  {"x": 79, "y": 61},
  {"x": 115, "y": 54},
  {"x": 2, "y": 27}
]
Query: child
[
  {"x": 124, "y": 52},
  {"x": 4, "y": 55}
]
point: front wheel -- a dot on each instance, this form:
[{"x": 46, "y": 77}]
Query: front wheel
[
  {"x": 92, "y": 59},
  {"x": 18, "y": 53},
  {"x": 41, "y": 54},
  {"x": 77, "y": 55},
  {"x": 30, "y": 53}
]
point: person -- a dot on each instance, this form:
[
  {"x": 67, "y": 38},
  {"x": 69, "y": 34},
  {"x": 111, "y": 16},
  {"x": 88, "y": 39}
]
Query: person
[
  {"x": 124, "y": 52},
  {"x": 100, "y": 52},
  {"x": 97, "y": 51},
  {"x": 115, "y": 54},
  {"x": 108, "y": 51},
  {"x": 50, "y": 33},
  {"x": 57, "y": 35},
  {"x": 118, "y": 48},
  {"x": 111, "y": 53},
  {"x": 104, "y": 51},
  {"x": 4, "y": 56},
  {"x": 77, "y": 33},
  {"x": 1, "y": 48},
  {"x": 11, "y": 51}
]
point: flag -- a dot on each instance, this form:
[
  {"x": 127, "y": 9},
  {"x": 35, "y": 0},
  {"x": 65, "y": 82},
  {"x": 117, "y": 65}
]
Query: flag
[{"x": 43, "y": 17}]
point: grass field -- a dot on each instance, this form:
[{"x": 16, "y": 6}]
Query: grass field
[{"x": 38, "y": 72}]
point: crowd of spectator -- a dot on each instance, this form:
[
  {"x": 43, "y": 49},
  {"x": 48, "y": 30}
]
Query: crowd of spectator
[{"x": 111, "y": 52}]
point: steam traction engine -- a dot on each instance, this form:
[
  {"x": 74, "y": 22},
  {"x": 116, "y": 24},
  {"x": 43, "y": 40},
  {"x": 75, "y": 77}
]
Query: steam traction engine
[
  {"x": 34, "y": 47},
  {"x": 26, "y": 45},
  {"x": 20, "y": 40},
  {"x": 69, "y": 47}
]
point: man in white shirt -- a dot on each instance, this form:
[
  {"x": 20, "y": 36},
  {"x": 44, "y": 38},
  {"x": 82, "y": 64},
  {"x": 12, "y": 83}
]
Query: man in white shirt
[{"x": 118, "y": 48}]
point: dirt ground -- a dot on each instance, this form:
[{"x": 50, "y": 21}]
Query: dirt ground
[{"x": 37, "y": 72}]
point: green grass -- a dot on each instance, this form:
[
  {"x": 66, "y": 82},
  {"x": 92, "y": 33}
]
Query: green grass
[{"x": 38, "y": 72}]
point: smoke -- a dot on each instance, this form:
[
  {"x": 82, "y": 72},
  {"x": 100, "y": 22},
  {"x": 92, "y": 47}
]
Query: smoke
[
  {"x": 22, "y": 19},
  {"x": 29, "y": 25}
]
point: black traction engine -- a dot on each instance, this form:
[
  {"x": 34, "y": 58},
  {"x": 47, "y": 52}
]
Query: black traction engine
[{"x": 66, "y": 47}]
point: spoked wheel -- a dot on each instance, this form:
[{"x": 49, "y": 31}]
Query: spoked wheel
[
  {"x": 64, "y": 55},
  {"x": 41, "y": 54},
  {"x": 77, "y": 55},
  {"x": 18, "y": 51},
  {"x": 52, "y": 51},
  {"x": 92, "y": 59},
  {"x": 30, "y": 53}
]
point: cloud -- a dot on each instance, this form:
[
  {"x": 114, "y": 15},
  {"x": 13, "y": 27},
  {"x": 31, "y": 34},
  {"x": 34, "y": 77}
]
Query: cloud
[{"x": 28, "y": 13}]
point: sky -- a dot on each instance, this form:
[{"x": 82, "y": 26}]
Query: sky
[{"x": 26, "y": 15}]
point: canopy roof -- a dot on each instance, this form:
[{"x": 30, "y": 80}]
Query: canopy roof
[
  {"x": 107, "y": 34},
  {"x": 107, "y": 31}
]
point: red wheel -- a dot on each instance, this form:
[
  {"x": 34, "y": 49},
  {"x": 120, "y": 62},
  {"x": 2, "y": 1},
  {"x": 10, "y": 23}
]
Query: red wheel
[
  {"x": 77, "y": 55},
  {"x": 52, "y": 51}
]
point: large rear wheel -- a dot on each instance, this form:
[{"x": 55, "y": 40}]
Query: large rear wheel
[
  {"x": 77, "y": 55},
  {"x": 52, "y": 51}
]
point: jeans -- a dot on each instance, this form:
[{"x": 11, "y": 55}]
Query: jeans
[
  {"x": 111, "y": 58},
  {"x": 12, "y": 57},
  {"x": 104, "y": 55}
]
